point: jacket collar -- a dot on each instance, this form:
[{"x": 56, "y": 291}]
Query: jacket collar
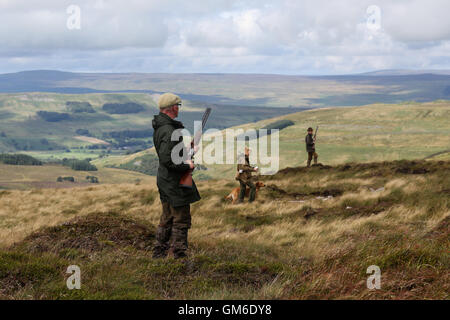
[{"x": 163, "y": 119}]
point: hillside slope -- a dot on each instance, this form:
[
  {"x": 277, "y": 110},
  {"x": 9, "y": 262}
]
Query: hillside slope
[
  {"x": 50, "y": 124},
  {"x": 28, "y": 177},
  {"x": 311, "y": 234},
  {"x": 360, "y": 134},
  {"x": 246, "y": 89}
]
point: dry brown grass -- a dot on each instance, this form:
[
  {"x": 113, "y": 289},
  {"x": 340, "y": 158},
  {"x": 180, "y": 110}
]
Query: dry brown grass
[
  {"x": 317, "y": 248},
  {"x": 23, "y": 212}
]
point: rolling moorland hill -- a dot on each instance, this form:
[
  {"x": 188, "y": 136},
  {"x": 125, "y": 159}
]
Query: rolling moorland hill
[
  {"x": 55, "y": 115},
  {"x": 380, "y": 197},
  {"x": 389, "y": 86},
  {"x": 311, "y": 234},
  {"x": 45, "y": 176},
  {"x": 379, "y": 132},
  {"x": 358, "y": 134},
  {"x": 54, "y": 125}
]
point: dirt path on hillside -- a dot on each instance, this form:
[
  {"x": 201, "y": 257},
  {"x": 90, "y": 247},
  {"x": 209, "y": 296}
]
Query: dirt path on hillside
[{"x": 91, "y": 140}]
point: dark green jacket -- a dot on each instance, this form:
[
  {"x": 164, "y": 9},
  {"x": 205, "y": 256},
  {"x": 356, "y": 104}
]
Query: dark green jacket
[
  {"x": 247, "y": 170},
  {"x": 310, "y": 145},
  {"x": 169, "y": 173}
]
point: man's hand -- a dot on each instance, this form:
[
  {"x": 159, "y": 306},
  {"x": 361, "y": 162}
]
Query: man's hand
[
  {"x": 191, "y": 164},
  {"x": 256, "y": 169}
]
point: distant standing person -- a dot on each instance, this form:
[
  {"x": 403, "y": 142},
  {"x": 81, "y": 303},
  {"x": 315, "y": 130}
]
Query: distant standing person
[
  {"x": 244, "y": 176},
  {"x": 175, "y": 221},
  {"x": 311, "y": 147}
]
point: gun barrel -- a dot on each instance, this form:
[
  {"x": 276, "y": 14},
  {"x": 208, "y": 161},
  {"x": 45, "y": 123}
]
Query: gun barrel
[
  {"x": 205, "y": 117},
  {"x": 198, "y": 134},
  {"x": 186, "y": 179}
]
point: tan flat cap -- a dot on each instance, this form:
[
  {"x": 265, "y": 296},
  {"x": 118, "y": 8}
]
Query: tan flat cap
[{"x": 167, "y": 100}]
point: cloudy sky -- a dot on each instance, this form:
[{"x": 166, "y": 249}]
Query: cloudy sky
[{"x": 224, "y": 36}]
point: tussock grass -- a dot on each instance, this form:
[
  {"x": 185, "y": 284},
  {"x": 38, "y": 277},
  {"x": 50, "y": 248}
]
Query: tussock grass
[{"x": 294, "y": 245}]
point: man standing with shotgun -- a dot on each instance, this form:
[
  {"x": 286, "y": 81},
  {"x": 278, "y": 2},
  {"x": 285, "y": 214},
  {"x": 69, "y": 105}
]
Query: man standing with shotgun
[
  {"x": 244, "y": 176},
  {"x": 310, "y": 141},
  {"x": 176, "y": 197}
]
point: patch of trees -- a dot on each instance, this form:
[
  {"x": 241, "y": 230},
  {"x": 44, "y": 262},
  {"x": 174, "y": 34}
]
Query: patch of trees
[
  {"x": 124, "y": 134},
  {"x": 133, "y": 151},
  {"x": 96, "y": 146},
  {"x": 92, "y": 179},
  {"x": 19, "y": 159},
  {"x": 32, "y": 144},
  {"x": 79, "y": 107},
  {"x": 147, "y": 164},
  {"x": 447, "y": 91},
  {"x": 122, "y": 108},
  {"x": 79, "y": 165},
  {"x": 83, "y": 132},
  {"x": 280, "y": 124},
  {"x": 61, "y": 179},
  {"x": 123, "y": 144},
  {"x": 51, "y": 116}
]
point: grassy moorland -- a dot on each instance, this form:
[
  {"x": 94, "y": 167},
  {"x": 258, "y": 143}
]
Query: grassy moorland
[
  {"x": 248, "y": 89},
  {"x": 369, "y": 133},
  {"x": 32, "y": 177},
  {"x": 48, "y": 126},
  {"x": 24, "y": 130},
  {"x": 379, "y": 132},
  {"x": 311, "y": 234}
]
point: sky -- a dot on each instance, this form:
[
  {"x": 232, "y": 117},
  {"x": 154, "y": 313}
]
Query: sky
[{"x": 224, "y": 36}]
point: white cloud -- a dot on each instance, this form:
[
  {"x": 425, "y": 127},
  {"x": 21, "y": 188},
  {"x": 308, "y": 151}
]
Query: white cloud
[{"x": 296, "y": 37}]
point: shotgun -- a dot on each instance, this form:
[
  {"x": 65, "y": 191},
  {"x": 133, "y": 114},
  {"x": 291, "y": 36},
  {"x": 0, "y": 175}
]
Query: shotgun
[
  {"x": 186, "y": 179},
  {"x": 315, "y": 133}
]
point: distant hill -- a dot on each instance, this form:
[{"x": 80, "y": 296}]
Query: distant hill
[
  {"x": 52, "y": 123},
  {"x": 384, "y": 86},
  {"x": 358, "y": 134},
  {"x": 403, "y": 72},
  {"x": 45, "y": 112}
]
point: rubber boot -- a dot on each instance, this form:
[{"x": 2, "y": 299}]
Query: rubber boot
[
  {"x": 242, "y": 193},
  {"x": 179, "y": 244},
  {"x": 162, "y": 242},
  {"x": 252, "y": 194}
]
